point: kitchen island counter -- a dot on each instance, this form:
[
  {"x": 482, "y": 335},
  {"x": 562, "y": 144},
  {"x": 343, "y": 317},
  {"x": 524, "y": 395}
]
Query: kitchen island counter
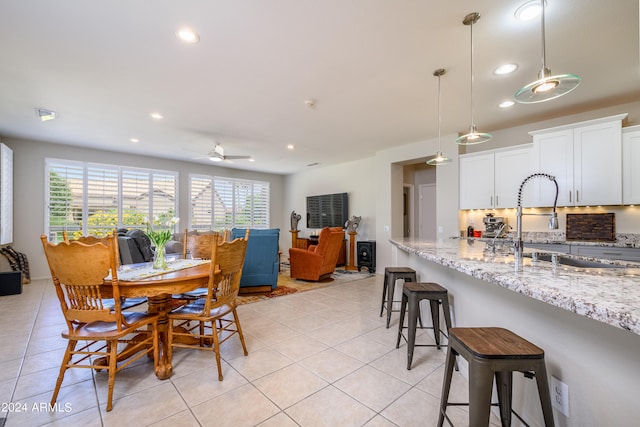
[
  {"x": 586, "y": 320},
  {"x": 611, "y": 295}
]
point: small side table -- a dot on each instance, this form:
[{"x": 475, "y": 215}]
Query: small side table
[{"x": 367, "y": 255}]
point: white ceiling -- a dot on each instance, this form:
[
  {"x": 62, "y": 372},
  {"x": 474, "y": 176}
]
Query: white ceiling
[{"x": 105, "y": 66}]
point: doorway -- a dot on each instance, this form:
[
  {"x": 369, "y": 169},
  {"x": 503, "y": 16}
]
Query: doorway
[
  {"x": 427, "y": 212},
  {"x": 407, "y": 210}
]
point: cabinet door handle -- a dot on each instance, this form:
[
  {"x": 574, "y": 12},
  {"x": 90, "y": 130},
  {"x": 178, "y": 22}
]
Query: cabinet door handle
[
  {"x": 612, "y": 253},
  {"x": 577, "y": 196},
  {"x": 490, "y": 200},
  {"x": 497, "y": 202},
  {"x": 570, "y": 201}
]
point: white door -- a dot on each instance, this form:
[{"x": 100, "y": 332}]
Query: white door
[{"x": 427, "y": 215}]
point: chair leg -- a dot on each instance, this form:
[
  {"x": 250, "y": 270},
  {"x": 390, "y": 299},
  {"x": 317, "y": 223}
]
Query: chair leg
[
  {"x": 403, "y": 308},
  {"x": 384, "y": 294},
  {"x": 169, "y": 342},
  {"x": 446, "y": 384},
  {"x": 435, "y": 319},
  {"x": 112, "y": 347},
  {"x": 414, "y": 310},
  {"x": 239, "y": 328},
  {"x": 71, "y": 345},
  {"x": 216, "y": 347},
  {"x": 543, "y": 392},
  {"x": 156, "y": 349},
  {"x": 391, "y": 289},
  {"x": 480, "y": 388},
  {"x": 504, "y": 386}
]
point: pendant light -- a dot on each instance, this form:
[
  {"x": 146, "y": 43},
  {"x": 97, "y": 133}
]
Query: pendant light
[
  {"x": 547, "y": 87},
  {"x": 473, "y": 137},
  {"x": 439, "y": 159}
]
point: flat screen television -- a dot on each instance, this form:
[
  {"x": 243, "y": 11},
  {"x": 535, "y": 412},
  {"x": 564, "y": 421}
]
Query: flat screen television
[{"x": 327, "y": 210}]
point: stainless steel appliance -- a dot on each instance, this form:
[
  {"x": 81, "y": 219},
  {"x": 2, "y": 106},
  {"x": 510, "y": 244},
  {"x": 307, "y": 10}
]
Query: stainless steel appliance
[{"x": 494, "y": 226}]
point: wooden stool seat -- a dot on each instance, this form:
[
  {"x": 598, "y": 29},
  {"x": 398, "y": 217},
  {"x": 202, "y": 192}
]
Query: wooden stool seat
[
  {"x": 494, "y": 352},
  {"x": 412, "y": 294},
  {"x": 391, "y": 274}
]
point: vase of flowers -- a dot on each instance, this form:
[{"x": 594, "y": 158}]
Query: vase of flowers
[{"x": 159, "y": 238}]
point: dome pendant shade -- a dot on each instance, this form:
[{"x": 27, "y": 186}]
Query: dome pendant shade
[
  {"x": 439, "y": 159},
  {"x": 473, "y": 137},
  {"x": 547, "y": 87}
]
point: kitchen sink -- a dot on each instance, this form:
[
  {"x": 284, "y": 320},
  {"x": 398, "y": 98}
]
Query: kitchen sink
[{"x": 571, "y": 262}]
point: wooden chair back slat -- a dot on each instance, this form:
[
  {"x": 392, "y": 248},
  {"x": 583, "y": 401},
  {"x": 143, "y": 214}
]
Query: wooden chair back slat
[
  {"x": 78, "y": 271},
  {"x": 224, "y": 285},
  {"x": 91, "y": 240},
  {"x": 200, "y": 245}
]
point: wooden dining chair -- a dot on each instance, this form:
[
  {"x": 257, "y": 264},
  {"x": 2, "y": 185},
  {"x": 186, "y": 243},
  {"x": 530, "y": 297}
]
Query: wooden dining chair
[
  {"x": 125, "y": 303},
  {"x": 78, "y": 271},
  {"x": 199, "y": 246},
  {"x": 216, "y": 318}
]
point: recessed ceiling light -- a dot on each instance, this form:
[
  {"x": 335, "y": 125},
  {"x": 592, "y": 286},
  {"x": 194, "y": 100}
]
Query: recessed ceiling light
[
  {"x": 45, "y": 115},
  {"x": 506, "y": 104},
  {"x": 252, "y": 159},
  {"x": 291, "y": 146},
  {"x": 310, "y": 103},
  {"x": 528, "y": 10},
  {"x": 134, "y": 140},
  {"x": 187, "y": 35},
  {"x": 156, "y": 116},
  {"x": 505, "y": 69}
]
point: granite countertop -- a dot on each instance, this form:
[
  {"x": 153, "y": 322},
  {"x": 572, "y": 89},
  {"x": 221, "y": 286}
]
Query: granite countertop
[
  {"x": 608, "y": 295},
  {"x": 623, "y": 240}
]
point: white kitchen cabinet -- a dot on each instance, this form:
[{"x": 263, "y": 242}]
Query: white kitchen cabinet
[
  {"x": 476, "y": 181},
  {"x": 490, "y": 180},
  {"x": 630, "y": 162},
  {"x": 512, "y": 166},
  {"x": 585, "y": 158}
]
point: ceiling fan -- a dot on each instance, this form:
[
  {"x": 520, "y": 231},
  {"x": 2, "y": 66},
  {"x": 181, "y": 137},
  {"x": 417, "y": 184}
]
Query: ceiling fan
[{"x": 217, "y": 155}]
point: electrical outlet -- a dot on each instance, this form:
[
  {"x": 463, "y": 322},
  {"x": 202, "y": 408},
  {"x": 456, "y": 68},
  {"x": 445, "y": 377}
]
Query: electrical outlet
[{"x": 560, "y": 396}]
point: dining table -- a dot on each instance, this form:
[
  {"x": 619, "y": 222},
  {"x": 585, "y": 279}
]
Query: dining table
[{"x": 141, "y": 280}]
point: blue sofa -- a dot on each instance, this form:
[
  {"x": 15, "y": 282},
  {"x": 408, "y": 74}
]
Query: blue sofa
[{"x": 261, "y": 261}]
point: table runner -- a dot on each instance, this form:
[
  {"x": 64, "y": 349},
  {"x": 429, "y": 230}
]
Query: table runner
[{"x": 141, "y": 271}]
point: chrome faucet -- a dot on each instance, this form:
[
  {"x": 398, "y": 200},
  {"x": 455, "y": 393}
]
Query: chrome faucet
[{"x": 553, "y": 221}]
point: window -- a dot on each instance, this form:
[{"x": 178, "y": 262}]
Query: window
[
  {"x": 222, "y": 203},
  {"x": 88, "y": 198}
]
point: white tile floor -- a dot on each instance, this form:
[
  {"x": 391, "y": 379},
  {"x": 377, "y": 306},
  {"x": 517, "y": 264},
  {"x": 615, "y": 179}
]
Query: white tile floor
[{"x": 316, "y": 358}]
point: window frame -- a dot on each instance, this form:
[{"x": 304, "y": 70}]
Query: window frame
[
  {"x": 215, "y": 204},
  {"x": 116, "y": 190}
]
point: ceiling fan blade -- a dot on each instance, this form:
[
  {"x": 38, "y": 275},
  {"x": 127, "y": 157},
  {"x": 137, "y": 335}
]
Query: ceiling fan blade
[{"x": 236, "y": 157}]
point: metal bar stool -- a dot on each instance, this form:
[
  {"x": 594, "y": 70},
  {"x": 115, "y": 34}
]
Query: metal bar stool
[
  {"x": 391, "y": 274},
  {"x": 494, "y": 352},
  {"x": 412, "y": 294}
]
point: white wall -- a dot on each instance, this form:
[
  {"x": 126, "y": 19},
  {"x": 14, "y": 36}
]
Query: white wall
[
  {"x": 355, "y": 178},
  {"x": 29, "y": 197}
]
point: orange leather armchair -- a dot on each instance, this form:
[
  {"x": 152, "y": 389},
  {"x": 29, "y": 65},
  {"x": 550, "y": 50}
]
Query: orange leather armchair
[{"x": 317, "y": 262}]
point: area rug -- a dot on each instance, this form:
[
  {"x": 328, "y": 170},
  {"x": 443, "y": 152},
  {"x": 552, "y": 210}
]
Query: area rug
[{"x": 288, "y": 286}]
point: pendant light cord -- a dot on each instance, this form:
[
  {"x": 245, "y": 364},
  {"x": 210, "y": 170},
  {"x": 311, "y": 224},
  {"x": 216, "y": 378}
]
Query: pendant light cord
[
  {"x": 439, "y": 117},
  {"x": 544, "y": 52},
  {"x": 473, "y": 125}
]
